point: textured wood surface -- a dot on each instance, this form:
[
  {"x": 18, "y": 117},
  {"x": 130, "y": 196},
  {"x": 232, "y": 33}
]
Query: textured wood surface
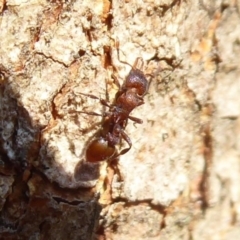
[{"x": 181, "y": 178}]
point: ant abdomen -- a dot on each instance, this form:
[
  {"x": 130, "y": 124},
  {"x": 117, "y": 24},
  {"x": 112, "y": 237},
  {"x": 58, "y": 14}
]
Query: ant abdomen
[{"x": 99, "y": 150}]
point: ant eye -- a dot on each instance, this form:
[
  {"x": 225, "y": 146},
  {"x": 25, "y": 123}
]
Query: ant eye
[{"x": 98, "y": 150}]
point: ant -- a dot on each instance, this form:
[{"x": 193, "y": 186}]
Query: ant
[{"x": 128, "y": 97}]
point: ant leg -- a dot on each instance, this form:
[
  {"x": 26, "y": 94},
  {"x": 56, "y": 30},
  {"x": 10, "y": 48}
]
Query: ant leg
[
  {"x": 102, "y": 101},
  {"x": 136, "y": 120},
  {"x": 89, "y": 95},
  {"x": 96, "y": 114},
  {"x": 116, "y": 136},
  {"x": 91, "y": 113},
  {"x": 128, "y": 140}
]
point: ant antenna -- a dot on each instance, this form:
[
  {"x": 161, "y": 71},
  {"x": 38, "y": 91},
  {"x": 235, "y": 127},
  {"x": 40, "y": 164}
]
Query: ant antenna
[
  {"x": 117, "y": 47},
  {"x": 138, "y": 64}
]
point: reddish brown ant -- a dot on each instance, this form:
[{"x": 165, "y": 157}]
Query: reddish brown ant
[{"x": 129, "y": 96}]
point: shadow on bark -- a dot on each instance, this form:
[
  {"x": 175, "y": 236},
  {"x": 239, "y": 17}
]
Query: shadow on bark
[{"x": 33, "y": 207}]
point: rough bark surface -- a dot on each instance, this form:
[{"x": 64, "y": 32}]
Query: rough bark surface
[{"x": 181, "y": 178}]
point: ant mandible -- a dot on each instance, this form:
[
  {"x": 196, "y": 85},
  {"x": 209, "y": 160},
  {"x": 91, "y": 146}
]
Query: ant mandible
[{"x": 128, "y": 97}]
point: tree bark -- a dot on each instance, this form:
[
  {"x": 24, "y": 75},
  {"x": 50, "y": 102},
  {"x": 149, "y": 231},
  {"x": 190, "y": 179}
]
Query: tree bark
[{"x": 180, "y": 179}]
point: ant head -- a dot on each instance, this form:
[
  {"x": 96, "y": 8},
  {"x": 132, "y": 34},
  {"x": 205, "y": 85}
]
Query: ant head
[{"x": 136, "y": 79}]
